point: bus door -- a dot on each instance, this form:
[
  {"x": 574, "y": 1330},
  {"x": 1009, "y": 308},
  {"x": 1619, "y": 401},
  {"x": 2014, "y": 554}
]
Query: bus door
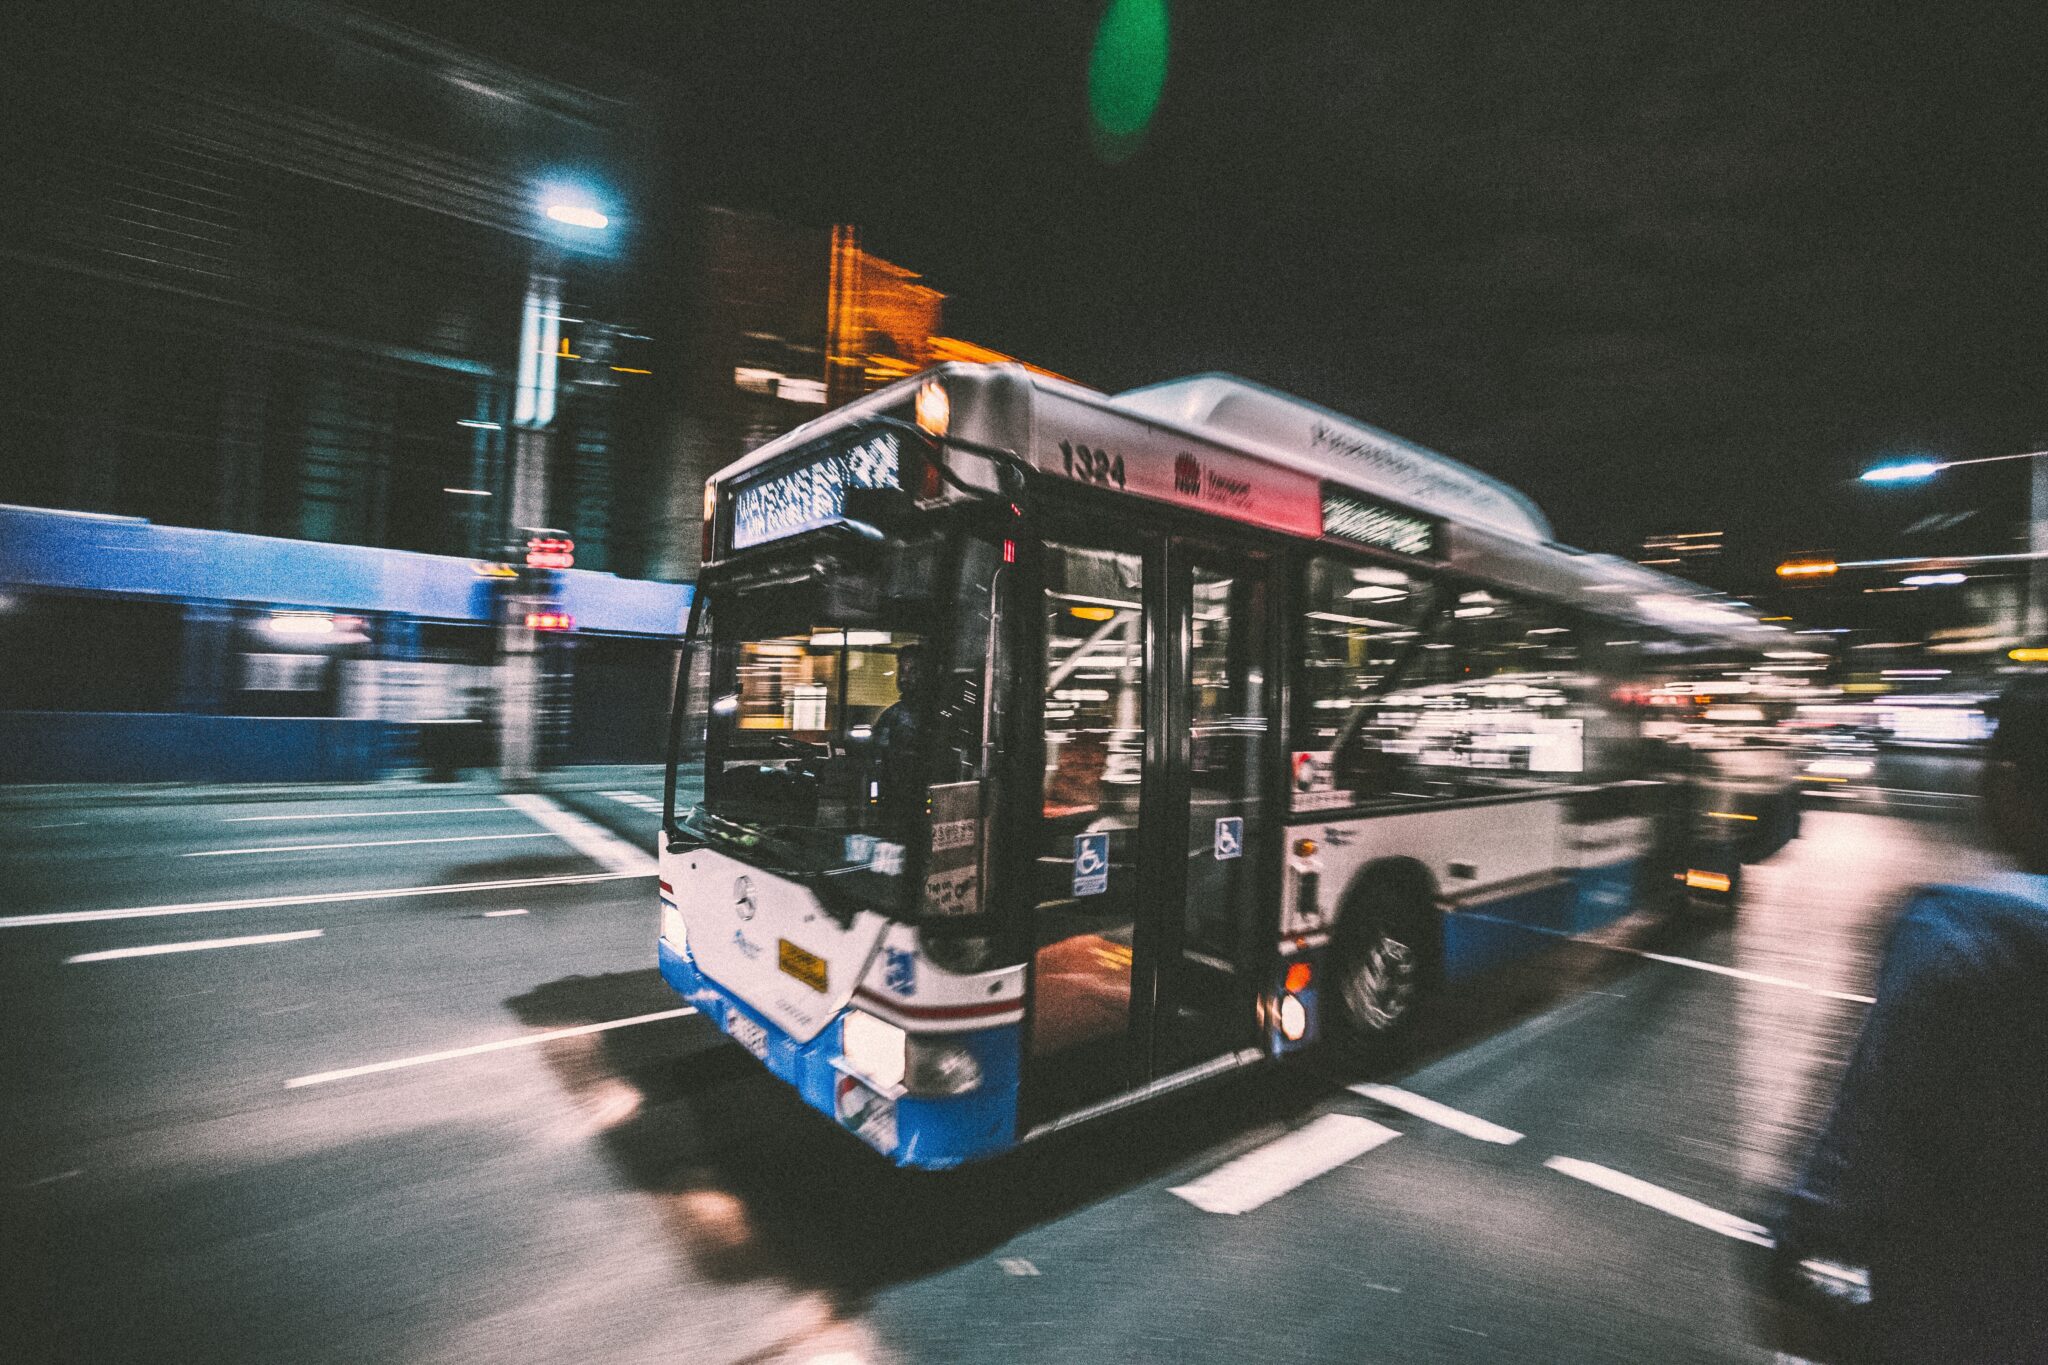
[
  {"x": 1220, "y": 702},
  {"x": 1095, "y": 863},
  {"x": 1150, "y": 828}
]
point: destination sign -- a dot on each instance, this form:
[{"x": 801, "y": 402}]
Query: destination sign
[
  {"x": 1365, "y": 522},
  {"x": 814, "y": 493}
]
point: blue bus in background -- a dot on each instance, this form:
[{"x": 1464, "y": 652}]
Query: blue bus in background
[
  {"x": 1060, "y": 750},
  {"x": 133, "y": 652}
]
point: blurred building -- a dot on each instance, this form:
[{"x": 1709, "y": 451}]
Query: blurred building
[{"x": 267, "y": 265}]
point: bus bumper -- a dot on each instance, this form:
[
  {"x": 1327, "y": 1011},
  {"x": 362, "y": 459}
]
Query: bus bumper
[{"x": 927, "y": 1132}]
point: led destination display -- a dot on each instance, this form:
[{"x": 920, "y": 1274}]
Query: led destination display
[{"x": 814, "y": 493}]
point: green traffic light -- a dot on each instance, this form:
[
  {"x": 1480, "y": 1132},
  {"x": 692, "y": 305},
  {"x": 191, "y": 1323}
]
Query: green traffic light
[{"x": 1126, "y": 73}]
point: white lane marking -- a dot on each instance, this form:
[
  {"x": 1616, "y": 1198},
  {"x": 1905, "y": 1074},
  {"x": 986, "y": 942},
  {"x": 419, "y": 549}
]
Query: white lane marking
[
  {"x": 61, "y": 824},
  {"x": 357, "y": 814},
  {"x": 1457, "y": 1120},
  {"x": 500, "y": 914},
  {"x": 369, "y": 843},
  {"x": 477, "y": 1050},
  {"x": 1758, "y": 977},
  {"x": 1662, "y": 1200},
  {"x": 587, "y": 837},
  {"x": 1264, "y": 1174},
  {"x": 41, "y": 1180},
  {"x": 312, "y": 898},
  {"x": 1716, "y": 968},
  {"x": 1016, "y": 1265},
  {"x": 194, "y": 946}
]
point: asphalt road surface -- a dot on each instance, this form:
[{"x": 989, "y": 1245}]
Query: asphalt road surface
[{"x": 470, "y": 1124}]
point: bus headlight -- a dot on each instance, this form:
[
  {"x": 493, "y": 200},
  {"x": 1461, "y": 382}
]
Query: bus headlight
[
  {"x": 873, "y": 1048},
  {"x": 940, "y": 1066},
  {"x": 673, "y": 930},
  {"x": 1293, "y": 1018},
  {"x": 934, "y": 408}
]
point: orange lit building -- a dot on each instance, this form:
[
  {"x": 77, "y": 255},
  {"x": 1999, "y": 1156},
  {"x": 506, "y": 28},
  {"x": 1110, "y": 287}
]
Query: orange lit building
[{"x": 787, "y": 322}]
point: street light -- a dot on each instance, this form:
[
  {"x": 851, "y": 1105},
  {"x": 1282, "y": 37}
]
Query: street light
[
  {"x": 573, "y": 223},
  {"x": 1914, "y": 471},
  {"x": 578, "y": 215},
  {"x": 1911, "y": 471}
]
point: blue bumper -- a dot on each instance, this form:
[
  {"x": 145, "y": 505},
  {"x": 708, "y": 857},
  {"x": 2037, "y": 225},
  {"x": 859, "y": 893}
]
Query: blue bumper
[{"x": 929, "y": 1133}]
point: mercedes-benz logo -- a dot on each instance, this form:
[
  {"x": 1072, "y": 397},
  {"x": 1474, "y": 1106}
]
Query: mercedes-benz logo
[{"x": 743, "y": 896}]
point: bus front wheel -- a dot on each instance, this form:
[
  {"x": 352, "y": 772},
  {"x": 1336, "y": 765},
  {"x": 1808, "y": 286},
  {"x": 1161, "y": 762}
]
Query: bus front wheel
[{"x": 1382, "y": 960}]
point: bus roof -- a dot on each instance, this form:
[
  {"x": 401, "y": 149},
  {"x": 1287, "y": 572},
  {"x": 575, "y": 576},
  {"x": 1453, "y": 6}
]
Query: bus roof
[
  {"x": 1302, "y": 435},
  {"x": 1276, "y": 452}
]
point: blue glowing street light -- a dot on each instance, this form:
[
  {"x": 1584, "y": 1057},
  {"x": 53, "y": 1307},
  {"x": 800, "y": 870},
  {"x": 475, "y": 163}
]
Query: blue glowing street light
[
  {"x": 2034, "y": 621},
  {"x": 1907, "y": 471}
]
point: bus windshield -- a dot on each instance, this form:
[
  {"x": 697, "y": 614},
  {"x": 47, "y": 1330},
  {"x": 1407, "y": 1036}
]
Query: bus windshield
[{"x": 831, "y": 705}]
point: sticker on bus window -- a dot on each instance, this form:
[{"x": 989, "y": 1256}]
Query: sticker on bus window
[
  {"x": 953, "y": 891},
  {"x": 1091, "y": 864},
  {"x": 1229, "y": 837}
]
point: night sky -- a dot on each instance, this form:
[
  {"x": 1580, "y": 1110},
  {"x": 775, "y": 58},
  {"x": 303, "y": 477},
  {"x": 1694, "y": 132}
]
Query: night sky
[{"x": 1666, "y": 268}]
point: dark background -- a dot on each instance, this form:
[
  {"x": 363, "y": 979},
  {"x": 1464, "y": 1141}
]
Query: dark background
[{"x": 1666, "y": 267}]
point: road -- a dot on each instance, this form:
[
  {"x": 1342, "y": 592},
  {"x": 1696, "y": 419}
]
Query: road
[{"x": 383, "y": 1128}]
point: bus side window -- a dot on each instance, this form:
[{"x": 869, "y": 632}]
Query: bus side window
[{"x": 1361, "y": 624}]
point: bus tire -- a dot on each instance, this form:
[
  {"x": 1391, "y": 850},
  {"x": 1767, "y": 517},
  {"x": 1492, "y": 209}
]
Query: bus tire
[{"x": 1384, "y": 956}]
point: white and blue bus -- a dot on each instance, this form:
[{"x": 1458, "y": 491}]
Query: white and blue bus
[{"x": 1059, "y": 750}]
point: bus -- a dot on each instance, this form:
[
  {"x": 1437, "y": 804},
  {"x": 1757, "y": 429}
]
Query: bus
[{"x": 1060, "y": 750}]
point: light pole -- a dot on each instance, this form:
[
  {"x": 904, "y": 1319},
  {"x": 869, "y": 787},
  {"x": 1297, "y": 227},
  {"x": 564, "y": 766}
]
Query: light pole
[
  {"x": 2034, "y": 616},
  {"x": 573, "y": 222}
]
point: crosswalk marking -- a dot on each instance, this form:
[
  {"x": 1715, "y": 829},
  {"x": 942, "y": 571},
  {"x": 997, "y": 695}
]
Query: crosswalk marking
[
  {"x": 1264, "y": 1174},
  {"x": 1457, "y": 1120}
]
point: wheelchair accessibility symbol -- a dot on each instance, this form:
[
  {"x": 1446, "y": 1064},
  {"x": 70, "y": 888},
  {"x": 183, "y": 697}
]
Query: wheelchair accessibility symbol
[
  {"x": 1229, "y": 837},
  {"x": 1091, "y": 864}
]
